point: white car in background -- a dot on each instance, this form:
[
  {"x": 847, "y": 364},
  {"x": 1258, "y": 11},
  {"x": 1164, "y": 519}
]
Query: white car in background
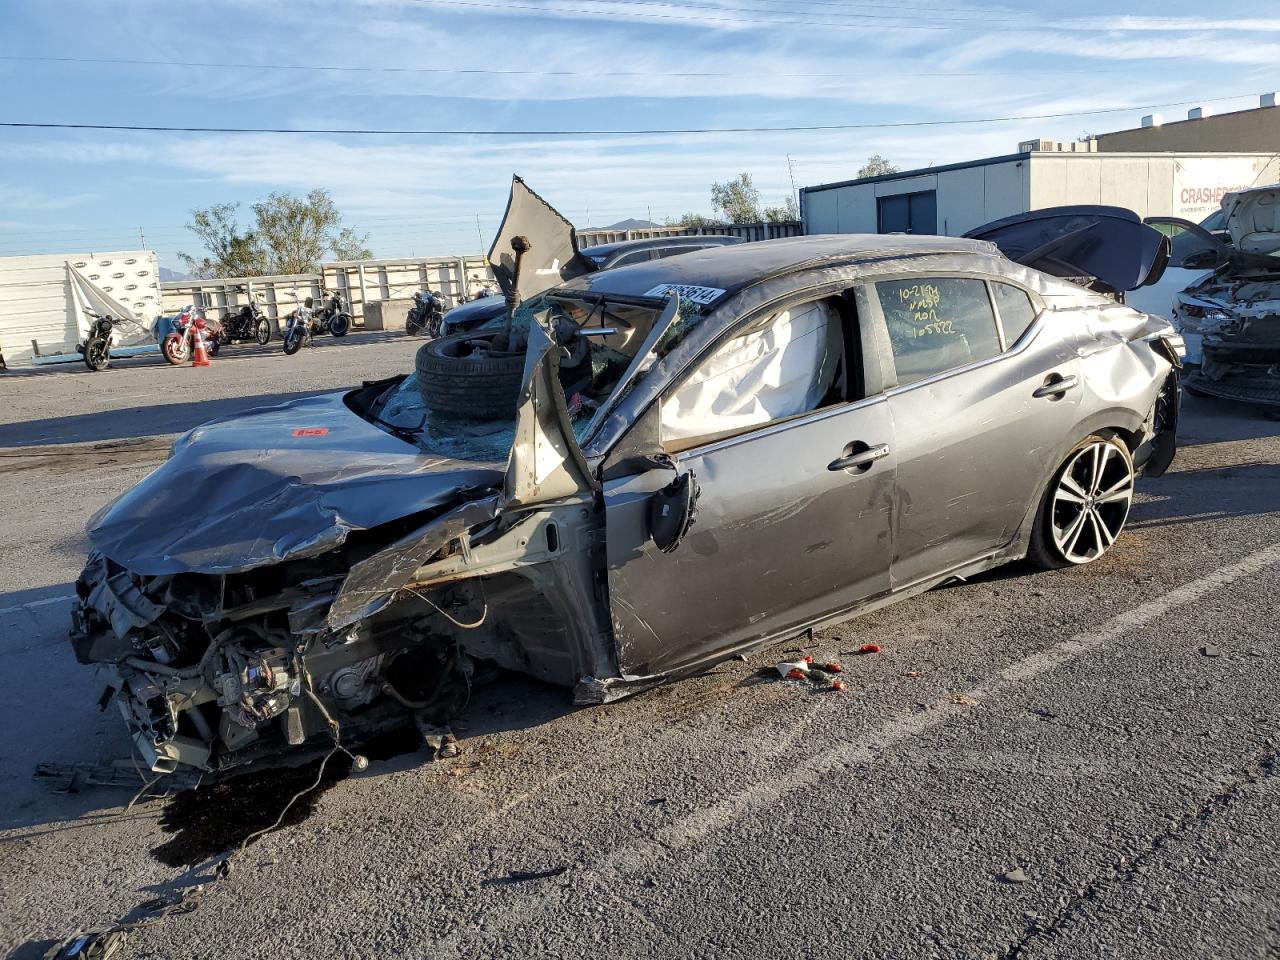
[
  {"x": 1187, "y": 239},
  {"x": 1229, "y": 316}
]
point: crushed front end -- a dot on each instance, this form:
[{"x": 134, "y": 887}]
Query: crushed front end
[
  {"x": 1237, "y": 320},
  {"x": 217, "y": 671}
]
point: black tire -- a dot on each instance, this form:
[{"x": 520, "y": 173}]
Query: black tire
[
  {"x": 97, "y": 354},
  {"x": 175, "y": 349},
  {"x": 213, "y": 345},
  {"x": 1043, "y": 551},
  {"x": 293, "y": 341},
  {"x": 413, "y": 324},
  {"x": 262, "y": 331},
  {"x": 340, "y": 325},
  {"x": 483, "y": 388}
]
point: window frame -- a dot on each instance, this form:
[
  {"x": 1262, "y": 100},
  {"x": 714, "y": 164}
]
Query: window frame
[
  {"x": 1037, "y": 305},
  {"x": 853, "y": 308},
  {"x": 1007, "y": 349}
]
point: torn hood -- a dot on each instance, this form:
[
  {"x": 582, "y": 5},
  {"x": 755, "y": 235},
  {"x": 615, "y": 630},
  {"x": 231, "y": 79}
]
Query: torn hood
[
  {"x": 277, "y": 483},
  {"x": 1253, "y": 219},
  {"x": 553, "y": 256},
  {"x": 1109, "y": 248}
]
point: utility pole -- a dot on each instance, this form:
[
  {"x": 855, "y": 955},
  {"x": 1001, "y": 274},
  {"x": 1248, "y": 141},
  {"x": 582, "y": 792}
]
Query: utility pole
[
  {"x": 480, "y": 234},
  {"x": 791, "y": 172},
  {"x": 143, "y": 238}
]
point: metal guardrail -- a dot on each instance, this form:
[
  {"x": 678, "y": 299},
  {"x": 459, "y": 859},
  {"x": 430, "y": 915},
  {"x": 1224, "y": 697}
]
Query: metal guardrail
[
  {"x": 748, "y": 231},
  {"x": 360, "y": 281}
]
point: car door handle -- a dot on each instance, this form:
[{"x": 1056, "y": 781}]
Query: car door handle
[
  {"x": 860, "y": 457},
  {"x": 1055, "y": 386}
]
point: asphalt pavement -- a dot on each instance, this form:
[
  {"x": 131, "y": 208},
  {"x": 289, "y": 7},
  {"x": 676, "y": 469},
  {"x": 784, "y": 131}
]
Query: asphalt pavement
[{"x": 1070, "y": 764}]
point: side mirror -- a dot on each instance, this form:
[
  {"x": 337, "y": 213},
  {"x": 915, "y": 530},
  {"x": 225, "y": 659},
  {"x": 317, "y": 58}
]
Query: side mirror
[{"x": 672, "y": 511}]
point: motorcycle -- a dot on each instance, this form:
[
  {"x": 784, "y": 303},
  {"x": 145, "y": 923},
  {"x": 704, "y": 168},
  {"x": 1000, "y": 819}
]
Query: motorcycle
[
  {"x": 96, "y": 348},
  {"x": 308, "y": 321},
  {"x": 181, "y": 341},
  {"x": 426, "y": 315},
  {"x": 247, "y": 323}
]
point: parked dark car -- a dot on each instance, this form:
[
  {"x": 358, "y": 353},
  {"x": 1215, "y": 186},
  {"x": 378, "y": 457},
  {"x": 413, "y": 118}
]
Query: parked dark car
[
  {"x": 606, "y": 256},
  {"x": 767, "y": 438}
]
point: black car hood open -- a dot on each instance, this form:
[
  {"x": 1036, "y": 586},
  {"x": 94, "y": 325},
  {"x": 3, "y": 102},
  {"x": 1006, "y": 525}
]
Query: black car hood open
[
  {"x": 276, "y": 483},
  {"x": 1109, "y": 248}
]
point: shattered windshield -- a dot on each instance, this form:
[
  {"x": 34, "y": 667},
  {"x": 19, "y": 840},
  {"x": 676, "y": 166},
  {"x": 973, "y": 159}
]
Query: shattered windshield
[{"x": 599, "y": 340}]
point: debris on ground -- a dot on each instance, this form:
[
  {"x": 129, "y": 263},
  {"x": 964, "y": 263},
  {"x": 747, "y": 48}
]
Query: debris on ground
[
  {"x": 1210, "y": 651},
  {"x": 819, "y": 673},
  {"x": 962, "y": 700},
  {"x": 912, "y": 674},
  {"x": 522, "y": 876},
  {"x": 104, "y": 942},
  {"x": 1016, "y": 875},
  {"x": 439, "y": 741},
  {"x": 74, "y": 777}
]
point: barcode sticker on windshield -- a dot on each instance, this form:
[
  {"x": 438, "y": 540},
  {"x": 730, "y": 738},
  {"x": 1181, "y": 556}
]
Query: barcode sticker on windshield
[{"x": 703, "y": 295}]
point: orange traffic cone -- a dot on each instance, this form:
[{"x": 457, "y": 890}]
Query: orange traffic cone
[{"x": 201, "y": 357}]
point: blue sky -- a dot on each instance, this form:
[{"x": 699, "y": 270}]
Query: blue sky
[{"x": 775, "y": 63}]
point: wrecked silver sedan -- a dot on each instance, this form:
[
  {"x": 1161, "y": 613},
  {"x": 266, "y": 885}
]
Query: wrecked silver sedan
[{"x": 763, "y": 439}]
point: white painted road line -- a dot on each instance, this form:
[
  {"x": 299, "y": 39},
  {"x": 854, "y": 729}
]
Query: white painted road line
[
  {"x": 617, "y": 868},
  {"x": 37, "y": 603}
]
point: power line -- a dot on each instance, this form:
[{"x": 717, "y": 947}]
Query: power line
[
  {"x": 786, "y": 16},
  {"x": 481, "y": 71},
  {"x": 656, "y": 131},
  {"x": 902, "y": 22}
]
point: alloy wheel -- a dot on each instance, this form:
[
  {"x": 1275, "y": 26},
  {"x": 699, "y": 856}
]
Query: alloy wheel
[{"x": 1091, "y": 502}]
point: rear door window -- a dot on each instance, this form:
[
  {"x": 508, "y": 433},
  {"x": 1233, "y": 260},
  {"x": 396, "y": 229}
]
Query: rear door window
[
  {"x": 1016, "y": 310},
  {"x": 937, "y": 324}
]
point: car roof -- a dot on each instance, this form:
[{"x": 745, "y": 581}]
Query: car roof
[
  {"x": 650, "y": 243},
  {"x": 722, "y": 270}
]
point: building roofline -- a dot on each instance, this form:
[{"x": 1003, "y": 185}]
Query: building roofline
[
  {"x": 1174, "y": 123},
  {"x": 923, "y": 171},
  {"x": 1011, "y": 157}
]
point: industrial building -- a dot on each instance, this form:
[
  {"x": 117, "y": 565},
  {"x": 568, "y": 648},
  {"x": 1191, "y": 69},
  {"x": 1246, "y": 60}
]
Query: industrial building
[
  {"x": 1249, "y": 131},
  {"x": 1147, "y": 172}
]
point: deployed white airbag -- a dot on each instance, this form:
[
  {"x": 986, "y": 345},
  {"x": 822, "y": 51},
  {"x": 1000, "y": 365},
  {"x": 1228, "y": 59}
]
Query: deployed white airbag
[{"x": 775, "y": 369}]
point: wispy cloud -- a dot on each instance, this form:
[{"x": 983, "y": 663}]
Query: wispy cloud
[{"x": 19, "y": 197}]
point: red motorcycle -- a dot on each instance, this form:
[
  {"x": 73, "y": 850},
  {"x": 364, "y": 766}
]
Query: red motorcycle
[{"x": 180, "y": 344}]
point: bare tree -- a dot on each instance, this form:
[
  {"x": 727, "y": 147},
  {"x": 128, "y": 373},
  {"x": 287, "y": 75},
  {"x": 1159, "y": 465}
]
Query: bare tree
[
  {"x": 789, "y": 211},
  {"x": 296, "y": 233},
  {"x": 737, "y": 199},
  {"x": 231, "y": 253},
  {"x": 691, "y": 220},
  {"x": 876, "y": 166},
  {"x": 291, "y": 235}
]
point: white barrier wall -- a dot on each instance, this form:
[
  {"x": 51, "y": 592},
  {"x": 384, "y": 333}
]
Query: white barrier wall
[{"x": 37, "y": 304}]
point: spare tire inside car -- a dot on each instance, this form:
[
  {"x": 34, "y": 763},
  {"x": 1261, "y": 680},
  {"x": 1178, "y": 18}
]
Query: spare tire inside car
[{"x": 455, "y": 378}]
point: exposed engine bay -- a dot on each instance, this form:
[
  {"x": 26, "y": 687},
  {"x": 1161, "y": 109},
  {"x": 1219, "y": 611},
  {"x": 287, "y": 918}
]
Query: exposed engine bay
[
  {"x": 1236, "y": 309},
  {"x": 215, "y": 672},
  {"x": 1239, "y": 319}
]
